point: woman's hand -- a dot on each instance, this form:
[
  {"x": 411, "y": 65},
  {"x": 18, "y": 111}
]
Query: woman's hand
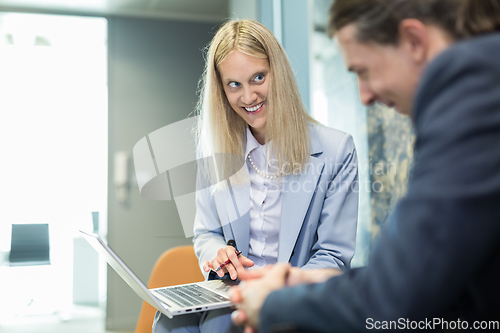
[{"x": 228, "y": 253}]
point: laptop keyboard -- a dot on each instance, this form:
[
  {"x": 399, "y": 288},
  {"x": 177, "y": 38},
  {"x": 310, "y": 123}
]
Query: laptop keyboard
[{"x": 191, "y": 295}]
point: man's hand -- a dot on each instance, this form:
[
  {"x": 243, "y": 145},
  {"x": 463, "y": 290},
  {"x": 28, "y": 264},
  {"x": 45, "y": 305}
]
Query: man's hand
[
  {"x": 259, "y": 283},
  {"x": 250, "y": 295},
  {"x": 298, "y": 276}
]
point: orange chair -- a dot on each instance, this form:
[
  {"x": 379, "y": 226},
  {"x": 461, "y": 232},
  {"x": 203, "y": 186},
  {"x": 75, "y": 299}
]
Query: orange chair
[{"x": 163, "y": 275}]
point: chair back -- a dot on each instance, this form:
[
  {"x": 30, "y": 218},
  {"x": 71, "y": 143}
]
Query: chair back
[
  {"x": 29, "y": 245},
  {"x": 175, "y": 266}
]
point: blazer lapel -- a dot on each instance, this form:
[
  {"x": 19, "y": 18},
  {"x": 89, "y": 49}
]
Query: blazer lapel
[{"x": 297, "y": 194}]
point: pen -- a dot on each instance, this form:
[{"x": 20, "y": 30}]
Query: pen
[{"x": 226, "y": 263}]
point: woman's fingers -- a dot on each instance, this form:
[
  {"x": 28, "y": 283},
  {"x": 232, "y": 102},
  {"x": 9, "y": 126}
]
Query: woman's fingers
[
  {"x": 234, "y": 264},
  {"x": 218, "y": 261},
  {"x": 245, "y": 262},
  {"x": 207, "y": 266}
]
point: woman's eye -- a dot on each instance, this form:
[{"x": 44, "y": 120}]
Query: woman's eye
[
  {"x": 259, "y": 78},
  {"x": 234, "y": 84}
]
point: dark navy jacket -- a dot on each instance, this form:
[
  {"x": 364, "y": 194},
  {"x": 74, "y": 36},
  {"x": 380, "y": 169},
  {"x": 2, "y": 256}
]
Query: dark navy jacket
[{"x": 439, "y": 256}]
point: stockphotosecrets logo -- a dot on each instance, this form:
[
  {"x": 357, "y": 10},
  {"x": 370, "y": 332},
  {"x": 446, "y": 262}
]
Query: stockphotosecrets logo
[{"x": 167, "y": 168}]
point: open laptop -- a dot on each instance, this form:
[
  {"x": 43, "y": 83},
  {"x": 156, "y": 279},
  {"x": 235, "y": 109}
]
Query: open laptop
[{"x": 174, "y": 300}]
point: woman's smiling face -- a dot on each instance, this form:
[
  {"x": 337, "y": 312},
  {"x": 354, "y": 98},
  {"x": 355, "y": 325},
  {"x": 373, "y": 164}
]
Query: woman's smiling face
[{"x": 246, "y": 83}]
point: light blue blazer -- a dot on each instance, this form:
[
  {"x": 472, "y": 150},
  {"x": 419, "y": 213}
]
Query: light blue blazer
[{"x": 318, "y": 216}]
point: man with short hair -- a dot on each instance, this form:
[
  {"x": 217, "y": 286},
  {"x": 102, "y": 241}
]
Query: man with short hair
[{"x": 438, "y": 261}]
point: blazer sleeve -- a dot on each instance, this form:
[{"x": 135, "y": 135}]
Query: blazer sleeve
[
  {"x": 442, "y": 235},
  {"x": 336, "y": 231},
  {"x": 208, "y": 233}
]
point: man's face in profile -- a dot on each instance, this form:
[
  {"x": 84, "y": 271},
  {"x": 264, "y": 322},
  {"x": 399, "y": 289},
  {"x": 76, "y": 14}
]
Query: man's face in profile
[{"x": 386, "y": 73}]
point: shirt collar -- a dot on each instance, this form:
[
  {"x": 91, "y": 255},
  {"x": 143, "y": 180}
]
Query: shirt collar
[{"x": 252, "y": 143}]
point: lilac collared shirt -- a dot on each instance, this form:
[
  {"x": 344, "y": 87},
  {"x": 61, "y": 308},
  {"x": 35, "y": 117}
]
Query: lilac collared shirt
[{"x": 265, "y": 206}]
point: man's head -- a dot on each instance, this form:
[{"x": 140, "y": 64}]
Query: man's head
[{"x": 388, "y": 44}]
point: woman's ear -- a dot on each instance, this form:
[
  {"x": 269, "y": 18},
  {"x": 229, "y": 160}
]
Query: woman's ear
[{"x": 414, "y": 39}]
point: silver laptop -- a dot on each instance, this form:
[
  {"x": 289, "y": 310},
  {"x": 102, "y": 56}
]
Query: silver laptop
[{"x": 174, "y": 300}]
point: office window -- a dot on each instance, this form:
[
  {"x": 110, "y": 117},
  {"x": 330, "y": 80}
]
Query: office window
[
  {"x": 336, "y": 104},
  {"x": 53, "y": 141},
  {"x": 384, "y": 139}
]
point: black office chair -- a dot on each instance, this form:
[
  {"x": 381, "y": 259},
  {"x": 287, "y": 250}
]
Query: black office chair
[{"x": 29, "y": 245}]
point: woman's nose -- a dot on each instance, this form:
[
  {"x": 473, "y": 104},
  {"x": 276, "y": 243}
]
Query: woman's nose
[{"x": 249, "y": 96}]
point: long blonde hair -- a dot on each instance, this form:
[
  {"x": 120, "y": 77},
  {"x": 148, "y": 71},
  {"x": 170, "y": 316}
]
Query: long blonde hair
[{"x": 222, "y": 131}]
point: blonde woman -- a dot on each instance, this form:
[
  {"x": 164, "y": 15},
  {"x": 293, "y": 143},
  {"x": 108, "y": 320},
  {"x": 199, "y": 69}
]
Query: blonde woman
[{"x": 295, "y": 197}]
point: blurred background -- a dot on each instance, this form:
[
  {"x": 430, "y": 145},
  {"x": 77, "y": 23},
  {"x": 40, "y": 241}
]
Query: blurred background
[{"x": 81, "y": 82}]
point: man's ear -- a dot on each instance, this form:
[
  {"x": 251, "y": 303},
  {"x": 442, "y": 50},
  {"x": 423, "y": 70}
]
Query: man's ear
[{"x": 414, "y": 39}]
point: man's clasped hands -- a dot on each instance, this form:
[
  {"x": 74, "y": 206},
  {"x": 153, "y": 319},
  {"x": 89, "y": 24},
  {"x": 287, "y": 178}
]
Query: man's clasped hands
[{"x": 256, "y": 284}]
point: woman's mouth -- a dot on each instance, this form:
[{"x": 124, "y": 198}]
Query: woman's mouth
[{"x": 255, "y": 108}]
